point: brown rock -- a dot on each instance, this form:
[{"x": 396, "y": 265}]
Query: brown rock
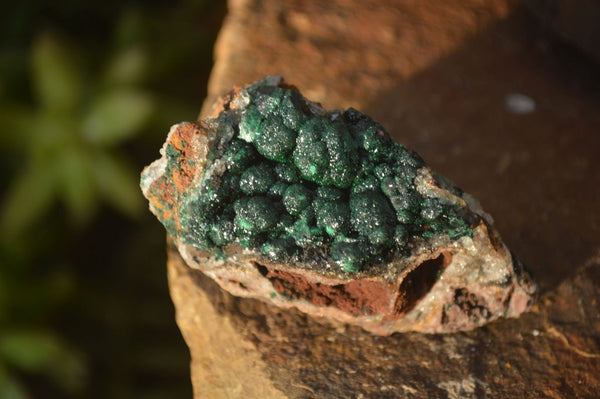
[
  {"x": 437, "y": 73},
  {"x": 247, "y": 348}
]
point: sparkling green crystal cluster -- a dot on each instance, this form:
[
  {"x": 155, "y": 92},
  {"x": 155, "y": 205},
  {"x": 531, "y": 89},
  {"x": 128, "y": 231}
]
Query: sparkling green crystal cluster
[{"x": 293, "y": 184}]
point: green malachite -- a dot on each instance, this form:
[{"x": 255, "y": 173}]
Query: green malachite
[{"x": 295, "y": 181}]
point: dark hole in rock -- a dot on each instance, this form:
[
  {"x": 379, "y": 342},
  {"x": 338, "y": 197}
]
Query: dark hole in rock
[
  {"x": 358, "y": 298},
  {"x": 261, "y": 269},
  {"x": 239, "y": 283},
  {"x": 471, "y": 305},
  {"x": 418, "y": 283}
]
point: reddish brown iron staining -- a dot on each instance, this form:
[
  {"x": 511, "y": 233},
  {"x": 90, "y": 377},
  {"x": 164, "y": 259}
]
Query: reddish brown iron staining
[
  {"x": 223, "y": 103},
  {"x": 163, "y": 196},
  {"x": 358, "y": 298},
  {"x": 186, "y": 152},
  {"x": 183, "y": 141},
  {"x": 362, "y": 297}
]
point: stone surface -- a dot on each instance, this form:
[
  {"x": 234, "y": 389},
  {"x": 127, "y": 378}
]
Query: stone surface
[
  {"x": 436, "y": 74},
  {"x": 247, "y": 348},
  {"x": 575, "y": 21},
  {"x": 278, "y": 199}
]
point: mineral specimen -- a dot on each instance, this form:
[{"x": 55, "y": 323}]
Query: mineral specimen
[{"x": 276, "y": 198}]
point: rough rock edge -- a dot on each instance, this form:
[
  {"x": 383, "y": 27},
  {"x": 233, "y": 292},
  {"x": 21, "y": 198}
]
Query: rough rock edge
[{"x": 444, "y": 286}]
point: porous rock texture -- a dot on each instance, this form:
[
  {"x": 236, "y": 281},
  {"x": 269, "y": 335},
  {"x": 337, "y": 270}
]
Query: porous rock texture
[{"x": 436, "y": 74}]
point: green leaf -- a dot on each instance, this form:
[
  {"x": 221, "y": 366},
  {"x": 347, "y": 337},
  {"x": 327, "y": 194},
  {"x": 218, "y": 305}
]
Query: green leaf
[
  {"x": 56, "y": 80},
  {"x": 117, "y": 115},
  {"x": 51, "y": 133},
  {"x": 30, "y": 351},
  {"x": 126, "y": 68},
  {"x": 10, "y": 388},
  {"x": 78, "y": 186},
  {"x": 3, "y": 297},
  {"x": 15, "y": 125},
  {"x": 28, "y": 199},
  {"x": 36, "y": 351},
  {"x": 118, "y": 183}
]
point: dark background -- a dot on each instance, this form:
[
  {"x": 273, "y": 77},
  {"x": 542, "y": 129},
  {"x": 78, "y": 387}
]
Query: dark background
[{"x": 84, "y": 306}]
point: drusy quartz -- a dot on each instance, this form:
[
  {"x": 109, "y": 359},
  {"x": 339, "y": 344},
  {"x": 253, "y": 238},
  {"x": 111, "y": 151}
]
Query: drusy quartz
[{"x": 281, "y": 200}]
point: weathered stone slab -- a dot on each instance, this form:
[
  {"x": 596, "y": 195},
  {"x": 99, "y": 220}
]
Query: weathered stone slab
[
  {"x": 438, "y": 75},
  {"x": 247, "y": 348}
]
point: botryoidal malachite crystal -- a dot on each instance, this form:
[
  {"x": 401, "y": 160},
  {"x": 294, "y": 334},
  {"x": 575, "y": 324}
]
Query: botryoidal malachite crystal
[
  {"x": 288, "y": 182},
  {"x": 279, "y": 199}
]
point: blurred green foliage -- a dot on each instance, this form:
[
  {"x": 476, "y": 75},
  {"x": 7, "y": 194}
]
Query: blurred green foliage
[
  {"x": 69, "y": 142},
  {"x": 86, "y": 99}
]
